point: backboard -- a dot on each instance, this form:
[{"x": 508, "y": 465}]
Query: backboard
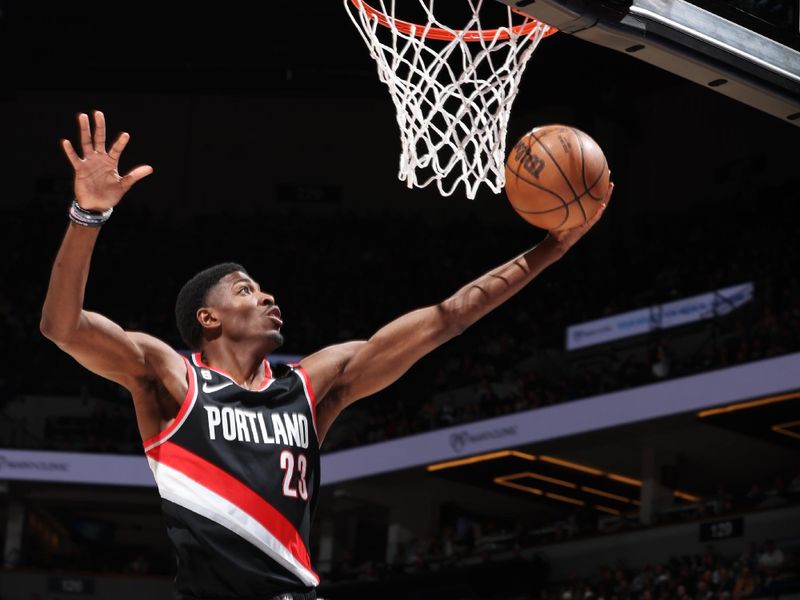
[{"x": 746, "y": 49}]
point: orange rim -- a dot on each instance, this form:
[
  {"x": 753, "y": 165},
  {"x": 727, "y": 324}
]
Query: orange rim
[{"x": 436, "y": 33}]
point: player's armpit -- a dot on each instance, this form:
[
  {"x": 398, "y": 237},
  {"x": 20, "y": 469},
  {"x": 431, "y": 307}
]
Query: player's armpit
[
  {"x": 324, "y": 368},
  {"x": 127, "y": 358}
]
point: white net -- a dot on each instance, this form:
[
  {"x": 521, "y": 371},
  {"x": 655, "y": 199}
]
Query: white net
[{"x": 452, "y": 89}]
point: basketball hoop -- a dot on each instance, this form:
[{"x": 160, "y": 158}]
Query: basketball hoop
[{"x": 452, "y": 89}]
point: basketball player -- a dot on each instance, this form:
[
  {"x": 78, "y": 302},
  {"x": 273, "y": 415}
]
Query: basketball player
[{"x": 234, "y": 447}]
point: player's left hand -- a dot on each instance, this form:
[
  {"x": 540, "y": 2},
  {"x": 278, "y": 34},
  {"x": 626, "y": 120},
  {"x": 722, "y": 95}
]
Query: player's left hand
[{"x": 564, "y": 240}]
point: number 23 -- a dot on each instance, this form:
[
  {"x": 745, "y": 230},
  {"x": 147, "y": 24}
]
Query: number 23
[{"x": 287, "y": 464}]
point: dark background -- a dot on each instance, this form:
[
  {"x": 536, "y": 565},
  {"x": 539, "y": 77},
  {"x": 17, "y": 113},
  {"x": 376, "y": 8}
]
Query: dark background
[
  {"x": 273, "y": 142},
  {"x": 275, "y": 145}
]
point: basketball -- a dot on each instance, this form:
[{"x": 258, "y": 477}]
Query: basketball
[{"x": 556, "y": 177}]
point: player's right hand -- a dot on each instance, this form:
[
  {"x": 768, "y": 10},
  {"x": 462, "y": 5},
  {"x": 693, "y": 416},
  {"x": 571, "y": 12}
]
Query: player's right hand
[
  {"x": 565, "y": 239},
  {"x": 98, "y": 184}
]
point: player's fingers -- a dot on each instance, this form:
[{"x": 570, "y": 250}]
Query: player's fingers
[
  {"x": 99, "y": 131},
  {"x": 119, "y": 145},
  {"x": 609, "y": 191},
  {"x": 72, "y": 156},
  {"x": 599, "y": 214},
  {"x": 136, "y": 174},
  {"x": 86, "y": 135}
]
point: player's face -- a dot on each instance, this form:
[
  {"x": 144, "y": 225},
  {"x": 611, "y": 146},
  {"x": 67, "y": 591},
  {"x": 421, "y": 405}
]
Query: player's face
[{"x": 244, "y": 311}]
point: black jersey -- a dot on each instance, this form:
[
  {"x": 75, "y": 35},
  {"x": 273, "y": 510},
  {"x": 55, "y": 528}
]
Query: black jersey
[{"x": 238, "y": 475}]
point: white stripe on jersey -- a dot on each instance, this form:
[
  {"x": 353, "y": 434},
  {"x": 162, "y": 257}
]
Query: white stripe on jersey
[{"x": 186, "y": 492}]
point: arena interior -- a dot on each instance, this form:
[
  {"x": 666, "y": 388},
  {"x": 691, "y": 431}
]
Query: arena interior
[{"x": 535, "y": 456}]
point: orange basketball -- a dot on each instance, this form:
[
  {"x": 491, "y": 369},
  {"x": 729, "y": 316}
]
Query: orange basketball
[{"x": 556, "y": 177}]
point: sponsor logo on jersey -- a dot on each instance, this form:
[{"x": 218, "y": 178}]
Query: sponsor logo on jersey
[
  {"x": 257, "y": 427},
  {"x": 210, "y": 389}
]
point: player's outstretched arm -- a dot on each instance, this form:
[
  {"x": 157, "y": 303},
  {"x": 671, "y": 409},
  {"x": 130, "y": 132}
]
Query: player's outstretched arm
[
  {"x": 347, "y": 372},
  {"x": 92, "y": 339}
]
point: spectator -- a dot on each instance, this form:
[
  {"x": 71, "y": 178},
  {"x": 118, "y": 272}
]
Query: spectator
[
  {"x": 775, "y": 495},
  {"x": 793, "y": 489},
  {"x": 770, "y": 561},
  {"x": 749, "y": 556},
  {"x": 722, "y": 501},
  {"x": 722, "y": 580},
  {"x": 704, "y": 592},
  {"x": 755, "y": 495},
  {"x": 660, "y": 361},
  {"x": 745, "y": 584}
]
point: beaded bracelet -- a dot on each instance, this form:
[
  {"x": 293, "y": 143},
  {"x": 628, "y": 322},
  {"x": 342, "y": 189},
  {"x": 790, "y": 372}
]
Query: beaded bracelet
[{"x": 88, "y": 218}]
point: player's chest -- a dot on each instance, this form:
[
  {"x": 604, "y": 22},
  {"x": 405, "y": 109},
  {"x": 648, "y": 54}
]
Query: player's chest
[{"x": 277, "y": 416}]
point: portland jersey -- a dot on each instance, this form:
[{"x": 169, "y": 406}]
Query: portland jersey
[{"x": 238, "y": 475}]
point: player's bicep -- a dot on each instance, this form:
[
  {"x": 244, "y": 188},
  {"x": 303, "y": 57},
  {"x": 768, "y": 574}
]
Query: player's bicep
[
  {"x": 106, "y": 349},
  {"x": 344, "y": 373},
  {"x": 388, "y": 354}
]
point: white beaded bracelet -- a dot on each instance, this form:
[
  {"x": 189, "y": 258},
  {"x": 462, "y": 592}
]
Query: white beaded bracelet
[{"x": 88, "y": 218}]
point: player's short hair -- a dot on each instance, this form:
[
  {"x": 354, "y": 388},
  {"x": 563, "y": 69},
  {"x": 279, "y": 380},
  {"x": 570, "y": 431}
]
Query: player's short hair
[{"x": 194, "y": 296}]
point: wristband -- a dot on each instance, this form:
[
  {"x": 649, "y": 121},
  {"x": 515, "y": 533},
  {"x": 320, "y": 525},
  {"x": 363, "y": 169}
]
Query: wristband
[{"x": 88, "y": 218}]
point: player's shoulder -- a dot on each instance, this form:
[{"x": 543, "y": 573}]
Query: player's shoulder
[
  {"x": 335, "y": 356},
  {"x": 151, "y": 343},
  {"x": 158, "y": 355}
]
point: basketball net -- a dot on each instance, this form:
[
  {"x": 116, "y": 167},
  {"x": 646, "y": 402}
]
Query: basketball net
[{"x": 452, "y": 89}]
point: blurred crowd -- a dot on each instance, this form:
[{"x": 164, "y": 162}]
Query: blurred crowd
[
  {"x": 467, "y": 539},
  {"x": 340, "y": 277},
  {"x": 463, "y": 539},
  {"x": 761, "y": 570}
]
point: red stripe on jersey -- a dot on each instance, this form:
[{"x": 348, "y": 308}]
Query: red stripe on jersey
[
  {"x": 234, "y": 491},
  {"x": 185, "y": 405},
  {"x": 267, "y": 376},
  {"x": 198, "y": 359},
  {"x": 312, "y": 398}
]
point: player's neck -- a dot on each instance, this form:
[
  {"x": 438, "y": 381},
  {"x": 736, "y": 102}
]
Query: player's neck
[{"x": 245, "y": 364}]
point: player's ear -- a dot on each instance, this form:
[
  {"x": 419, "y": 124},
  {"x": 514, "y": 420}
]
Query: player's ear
[{"x": 207, "y": 317}]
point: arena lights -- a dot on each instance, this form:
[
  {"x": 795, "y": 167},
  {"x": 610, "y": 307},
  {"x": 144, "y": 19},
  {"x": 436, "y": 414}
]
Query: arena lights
[
  {"x": 685, "y": 496},
  {"x": 605, "y": 494},
  {"x": 748, "y": 404},
  {"x": 571, "y": 465},
  {"x": 550, "y": 479},
  {"x": 566, "y": 499},
  {"x": 623, "y": 479},
  {"x": 784, "y": 428},
  {"x": 507, "y": 480},
  {"x": 608, "y": 510},
  {"x": 478, "y": 458},
  {"x": 510, "y": 480}
]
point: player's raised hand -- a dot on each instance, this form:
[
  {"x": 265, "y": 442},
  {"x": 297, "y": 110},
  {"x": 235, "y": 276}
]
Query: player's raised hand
[
  {"x": 565, "y": 239},
  {"x": 98, "y": 184}
]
